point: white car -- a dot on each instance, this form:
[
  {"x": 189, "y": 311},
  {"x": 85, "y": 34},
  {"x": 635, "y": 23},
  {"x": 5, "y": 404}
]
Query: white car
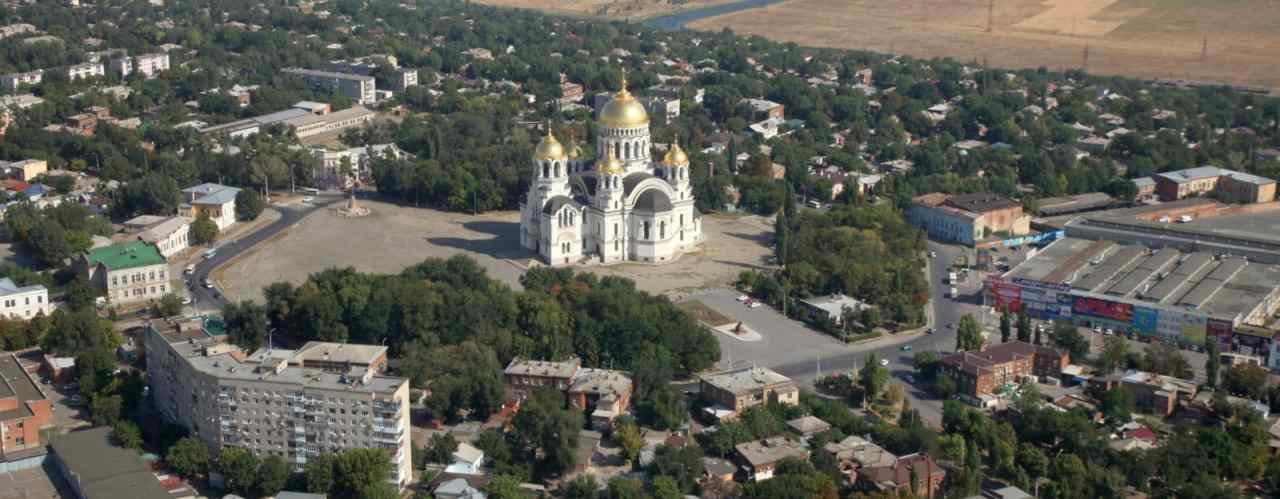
[
  {"x": 308, "y": 199},
  {"x": 743, "y": 298},
  {"x": 754, "y": 304},
  {"x": 884, "y": 362},
  {"x": 1108, "y": 332},
  {"x": 208, "y": 283},
  {"x": 186, "y": 300}
]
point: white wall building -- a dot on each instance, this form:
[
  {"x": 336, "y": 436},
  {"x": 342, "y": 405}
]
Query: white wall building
[
  {"x": 624, "y": 206},
  {"x": 127, "y": 273},
  {"x": 86, "y": 70},
  {"x": 170, "y": 237},
  {"x": 23, "y": 302},
  {"x": 216, "y": 201}
]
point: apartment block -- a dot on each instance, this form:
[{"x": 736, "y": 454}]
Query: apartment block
[
  {"x": 23, "y": 302},
  {"x": 86, "y": 70},
  {"x": 26, "y": 170},
  {"x": 980, "y": 373},
  {"x": 606, "y": 393},
  {"x": 360, "y": 88},
  {"x": 151, "y": 64},
  {"x": 127, "y": 272},
  {"x": 12, "y": 81},
  {"x": 321, "y": 399},
  {"x": 736, "y": 390}
]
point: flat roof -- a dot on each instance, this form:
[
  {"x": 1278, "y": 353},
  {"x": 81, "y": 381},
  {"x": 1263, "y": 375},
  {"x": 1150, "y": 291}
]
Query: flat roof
[
  {"x": 106, "y": 471},
  {"x": 17, "y": 384},
  {"x": 328, "y": 74},
  {"x": 234, "y": 365},
  {"x": 545, "y": 368},
  {"x": 362, "y": 355},
  {"x": 982, "y": 202},
  {"x": 125, "y": 255},
  {"x": 745, "y": 379},
  {"x": 770, "y": 450},
  {"x": 1190, "y": 174},
  {"x": 1218, "y": 285},
  {"x": 163, "y": 229},
  {"x": 835, "y": 304},
  {"x": 1079, "y": 202}
]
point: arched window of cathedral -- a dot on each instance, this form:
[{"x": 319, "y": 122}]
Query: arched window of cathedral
[
  {"x": 617, "y": 149},
  {"x": 545, "y": 170},
  {"x": 615, "y": 229},
  {"x": 627, "y": 148},
  {"x": 646, "y": 230},
  {"x": 662, "y": 229},
  {"x": 682, "y": 219}
]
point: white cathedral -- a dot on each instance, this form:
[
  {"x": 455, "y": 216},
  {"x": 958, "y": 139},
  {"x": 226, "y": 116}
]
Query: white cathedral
[{"x": 622, "y": 207}]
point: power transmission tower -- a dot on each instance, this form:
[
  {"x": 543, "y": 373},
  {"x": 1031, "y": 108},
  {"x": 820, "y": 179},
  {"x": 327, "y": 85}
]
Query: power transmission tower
[{"x": 991, "y": 7}]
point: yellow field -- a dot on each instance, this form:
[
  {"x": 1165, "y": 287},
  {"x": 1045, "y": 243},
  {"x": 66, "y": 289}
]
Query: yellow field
[
  {"x": 611, "y": 9},
  {"x": 1137, "y": 38}
]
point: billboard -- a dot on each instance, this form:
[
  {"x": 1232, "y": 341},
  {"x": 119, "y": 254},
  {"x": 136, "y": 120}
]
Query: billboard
[
  {"x": 1008, "y": 296},
  {"x": 1182, "y": 325},
  {"x": 1219, "y": 329},
  {"x": 1103, "y": 309},
  {"x": 1145, "y": 320}
]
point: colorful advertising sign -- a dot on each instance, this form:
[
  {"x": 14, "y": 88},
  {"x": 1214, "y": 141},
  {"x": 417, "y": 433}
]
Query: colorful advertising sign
[
  {"x": 1008, "y": 296},
  {"x": 1145, "y": 320},
  {"x": 1119, "y": 312},
  {"x": 1219, "y": 329}
]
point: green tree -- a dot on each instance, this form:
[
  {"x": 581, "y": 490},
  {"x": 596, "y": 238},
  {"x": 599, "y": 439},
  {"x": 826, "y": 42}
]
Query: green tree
[
  {"x": 203, "y": 230},
  {"x": 1212, "y": 361},
  {"x": 944, "y": 387},
  {"x": 249, "y": 204},
  {"x": 246, "y": 324},
  {"x": 1024, "y": 327},
  {"x": 628, "y": 436},
  {"x": 872, "y": 378},
  {"x": 504, "y": 487},
  {"x": 273, "y": 473},
  {"x": 72, "y": 333},
  {"x": 169, "y": 305},
  {"x": 1066, "y": 336},
  {"x": 968, "y": 335},
  {"x": 1246, "y": 380},
  {"x": 189, "y": 457},
  {"x": 106, "y": 409},
  {"x": 126, "y": 434},
  {"x": 1115, "y": 350},
  {"x": 318, "y": 473},
  {"x": 441, "y": 448},
  {"x": 583, "y": 486},
  {"x": 240, "y": 469},
  {"x": 1117, "y": 406},
  {"x": 665, "y": 487},
  {"x": 358, "y": 472},
  {"x": 1006, "y": 327},
  {"x": 544, "y": 427},
  {"x": 684, "y": 464}
]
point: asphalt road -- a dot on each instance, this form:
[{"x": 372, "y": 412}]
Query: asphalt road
[
  {"x": 290, "y": 215},
  {"x": 943, "y": 311}
]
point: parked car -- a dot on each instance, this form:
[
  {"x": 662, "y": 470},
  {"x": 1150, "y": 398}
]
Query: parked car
[
  {"x": 308, "y": 199},
  {"x": 884, "y": 362},
  {"x": 209, "y": 253},
  {"x": 906, "y": 348},
  {"x": 186, "y": 300},
  {"x": 191, "y": 269},
  {"x": 208, "y": 283},
  {"x": 743, "y": 298},
  {"x": 754, "y": 304}
]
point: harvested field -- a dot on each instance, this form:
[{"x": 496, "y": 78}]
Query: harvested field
[
  {"x": 612, "y": 9},
  {"x": 1135, "y": 38}
]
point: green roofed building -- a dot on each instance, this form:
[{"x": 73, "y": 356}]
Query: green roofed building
[{"x": 126, "y": 273}]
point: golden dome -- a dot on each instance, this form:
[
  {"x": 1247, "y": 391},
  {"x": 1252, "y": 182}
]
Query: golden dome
[
  {"x": 675, "y": 155},
  {"x": 624, "y": 111},
  {"x": 549, "y": 148},
  {"x": 610, "y": 165}
]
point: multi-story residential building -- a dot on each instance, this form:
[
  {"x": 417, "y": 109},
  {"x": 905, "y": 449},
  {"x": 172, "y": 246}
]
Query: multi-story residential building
[
  {"x": 979, "y": 374},
  {"x": 1171, "y": 186},
  {"x": 169, "y": 236},
  {"x": 127, "y": 272},
  {"x": 360, "y": 88},
  {"x": 86, "y": 70},
  {"x": 738, "y": 389},
  {"x": 1152, "y": 392},
  {"x": 401, "y": 78},
  {"x": 24, "y": 411},
  {"x": 216, "y": 201},
  {"x": 762, "y": 109},
  {"x": 151, "y": 64},
  {"x": 12, "y": 81},
  {"x": 968, "y": 218},
  {"x": 274, "y": 403},
  {"x": 23, "y": 302},
  {"x": 26, "y": 170},
  {"x": 606, "y": 393}
]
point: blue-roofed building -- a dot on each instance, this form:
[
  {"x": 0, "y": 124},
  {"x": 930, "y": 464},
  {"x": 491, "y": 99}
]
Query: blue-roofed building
[{"x": 216, "y": 201}]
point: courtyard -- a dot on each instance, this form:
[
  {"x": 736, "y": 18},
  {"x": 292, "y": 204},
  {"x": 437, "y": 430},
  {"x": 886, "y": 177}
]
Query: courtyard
[{"x": 393, "y": 237}]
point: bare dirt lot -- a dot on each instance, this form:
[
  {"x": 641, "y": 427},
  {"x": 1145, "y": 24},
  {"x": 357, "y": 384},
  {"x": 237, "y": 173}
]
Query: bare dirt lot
[
  {"x": 394, "y": 237},
  {"x": 1136, "y": 38}
]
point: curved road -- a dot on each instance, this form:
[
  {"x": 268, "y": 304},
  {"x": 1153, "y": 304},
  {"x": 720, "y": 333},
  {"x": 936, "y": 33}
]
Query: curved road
[
  {"x": 290, "y": 215},
  {"x": 944, "y": 311}
]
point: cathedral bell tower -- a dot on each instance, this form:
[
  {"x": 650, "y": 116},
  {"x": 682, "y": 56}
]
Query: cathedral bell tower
[
  {"x": 551, "y": 168},
  {"x": 675, "y": 166}
]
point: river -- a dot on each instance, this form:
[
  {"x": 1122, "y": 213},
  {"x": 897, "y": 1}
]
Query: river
[{"x": 680, "y": 19}]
